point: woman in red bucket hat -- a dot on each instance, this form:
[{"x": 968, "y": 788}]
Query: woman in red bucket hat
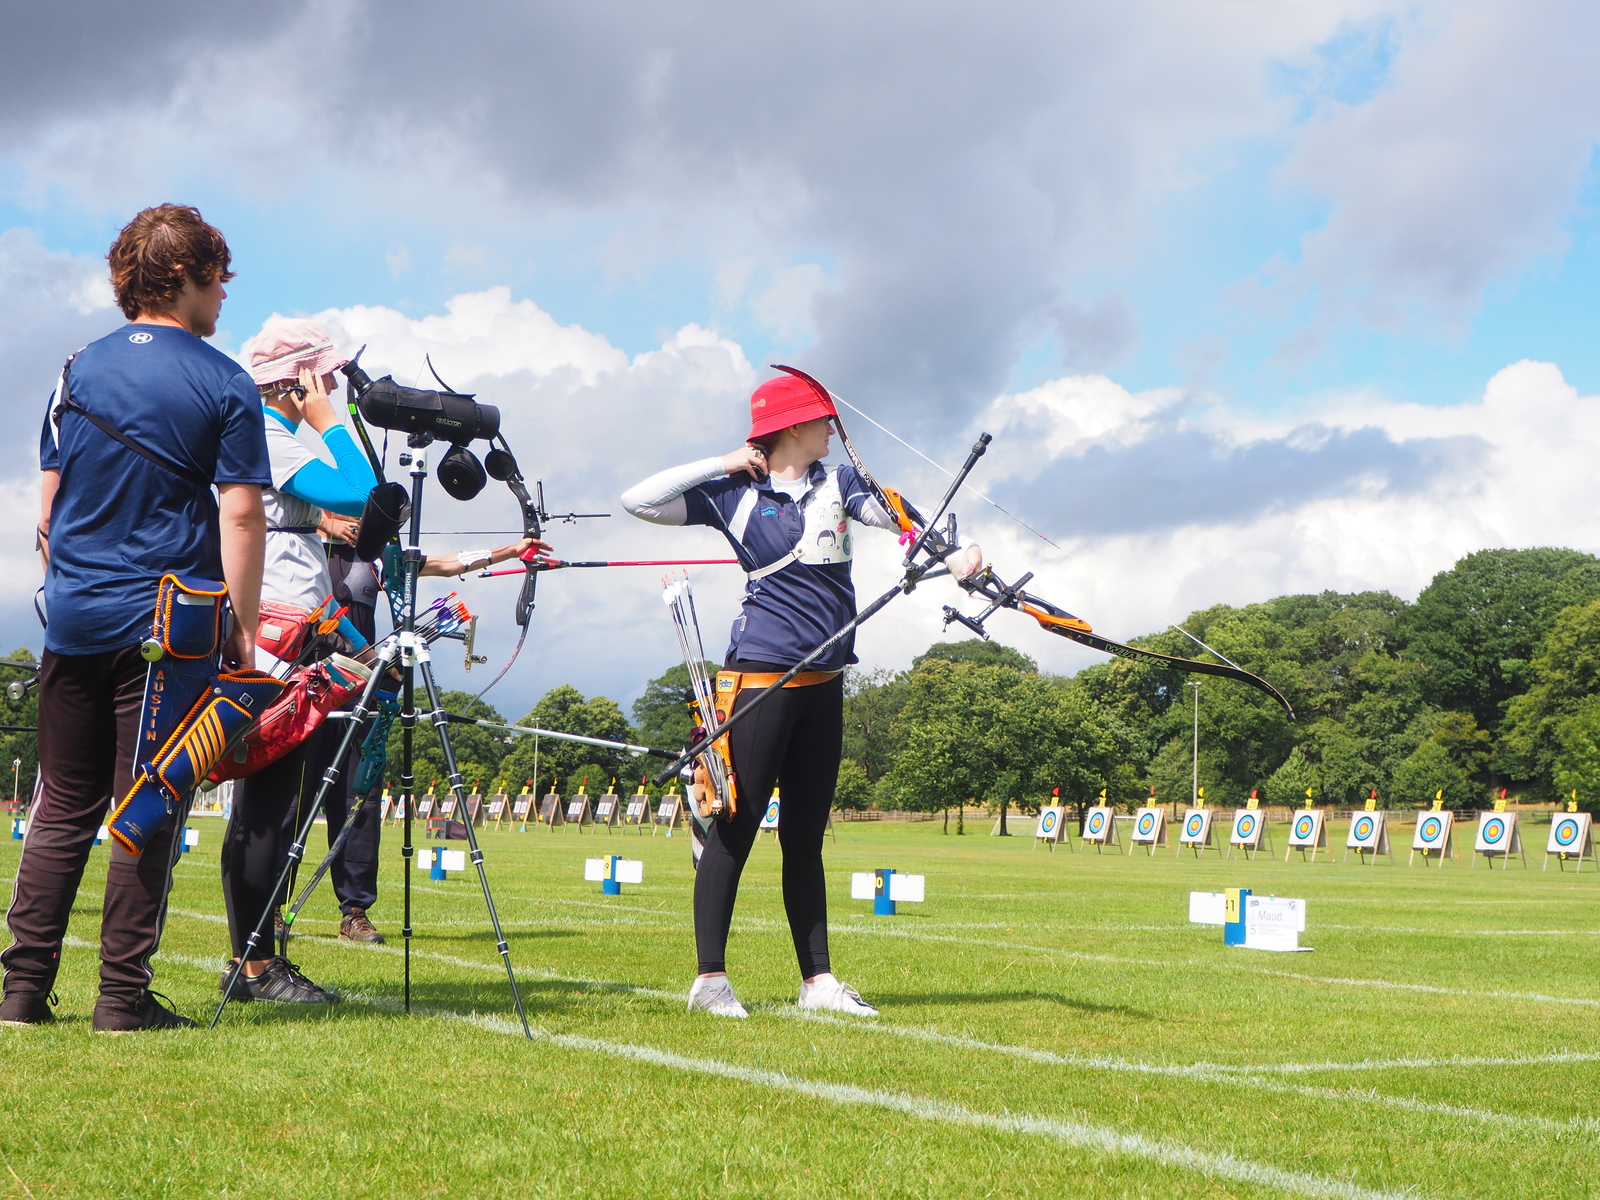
[{"x": 790, "y": 520}]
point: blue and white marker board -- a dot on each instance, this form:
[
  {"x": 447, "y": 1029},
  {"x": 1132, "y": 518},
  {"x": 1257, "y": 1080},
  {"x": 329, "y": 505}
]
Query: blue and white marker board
[
  {"x": 613, "y": 872},
  {"x": 1571, "y": 839},
  {"x": 1434, "y": 835},
  {"x": 886, "y": 888},
  {"x": 1498, "y": 837}
]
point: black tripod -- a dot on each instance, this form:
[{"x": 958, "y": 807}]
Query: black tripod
[{"x": 412, "y": 651}]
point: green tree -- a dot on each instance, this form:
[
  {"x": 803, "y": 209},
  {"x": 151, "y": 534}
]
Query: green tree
[
  {"x": 1171, "y": 772},
  {"x": 1289, "y": 782},
  {"x": 661, "y": 716},
  {"x": 1427, "y": 773},
  {"x": 1577, "y": 764},
  {"x": 1566, "y": 674},
  {"x": 565, "y": 710},
  {"x": 854, "y": 791},
  {"x": 1479, "y": 625},
  {"x": 977, "y": 650},
  {"x": 872, "y": 704},
  {"x": 478, "y": 751}
]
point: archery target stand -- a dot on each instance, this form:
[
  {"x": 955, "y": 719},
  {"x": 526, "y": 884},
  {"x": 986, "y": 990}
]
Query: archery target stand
[
  {"x": 1571, "y": 837},
  {"x": 1149, "y": 830},
  {"x": 499, "y": 809},
  {"x": 1435, "y": 834},
  {"x": 607, "y": 811},
  {"x": 638, "y": 812},
  {"x": 1249, "y": 833},
  {"x": 522, "y": 807},
  {"x": 669, "y": 813},
  {"x": 1308, "y": 830},
  {"x": 1195, "y": 832},
  {"x": 1052, "y": 827},
  {"x": 1498, "y": 837},
  {"x": 1369, "y": 834},
  {"x": 579, "y": 812},
  {"x": 550, "y": 813},
  {"x": 1100, "y": 828}
]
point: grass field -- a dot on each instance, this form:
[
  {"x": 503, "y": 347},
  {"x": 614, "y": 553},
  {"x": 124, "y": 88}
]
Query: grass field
[{"x": 1052, "y": 1026}]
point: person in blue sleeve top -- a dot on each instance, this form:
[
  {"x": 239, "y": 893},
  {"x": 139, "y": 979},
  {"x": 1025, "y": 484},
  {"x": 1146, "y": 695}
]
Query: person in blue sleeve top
[{"x": 292, "y": 362}]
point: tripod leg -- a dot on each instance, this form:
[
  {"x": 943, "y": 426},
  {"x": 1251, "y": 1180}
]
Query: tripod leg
[
  {"x": 460, "y": 790},
  {"x": 358, "y": 718}
]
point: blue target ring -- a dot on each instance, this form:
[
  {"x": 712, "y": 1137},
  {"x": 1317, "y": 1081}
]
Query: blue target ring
[
  {"x": 1047, "y": 823},
  {"x": 1194, "y": 825},
  {"x": 1147, "y": 823},
  {"x": 1364, "y": 828},
  {"x": 1304, "y": 824},
  {"x": 1246, "y": 825},
  {"x": 1566, "y": 831},
  {"x": 1493, "y": 830},
  {"x": 1097, "y": 822},
  {"x": 772, "y": 811},
  {"x": 1432, "y": 827}
]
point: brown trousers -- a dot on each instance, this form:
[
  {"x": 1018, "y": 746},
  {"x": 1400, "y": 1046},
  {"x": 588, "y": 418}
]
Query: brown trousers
[{"x": 89, "y": 712}]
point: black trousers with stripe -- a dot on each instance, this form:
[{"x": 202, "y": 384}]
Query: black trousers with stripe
[{"x": 794, "y": 742}]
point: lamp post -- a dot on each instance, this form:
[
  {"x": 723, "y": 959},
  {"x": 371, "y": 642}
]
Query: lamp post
[{"x": 1195, "y": 783}]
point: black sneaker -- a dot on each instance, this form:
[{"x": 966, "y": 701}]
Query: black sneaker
[
  {"x": 111, "y": 1016},
  {"x": 21, "y": 1008},
  {"x": 357, "y": 928},
  {"x": 281, "y": 982}
]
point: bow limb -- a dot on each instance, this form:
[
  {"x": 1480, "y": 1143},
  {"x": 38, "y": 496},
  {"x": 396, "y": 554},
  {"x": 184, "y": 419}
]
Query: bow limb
[{"x": 530, "y": 580}]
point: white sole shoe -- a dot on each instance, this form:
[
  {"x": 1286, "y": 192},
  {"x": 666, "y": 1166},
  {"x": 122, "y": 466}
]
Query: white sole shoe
[
  {"x": 830, "y": 995},
  {"x": 715, "y": 996}
]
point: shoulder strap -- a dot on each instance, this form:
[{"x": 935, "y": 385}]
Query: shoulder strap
[{"x": 68, "y": 404}]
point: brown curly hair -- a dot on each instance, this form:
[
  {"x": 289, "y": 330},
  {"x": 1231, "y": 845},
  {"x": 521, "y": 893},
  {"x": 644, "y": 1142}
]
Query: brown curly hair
[{"x": 157, "y": 251}]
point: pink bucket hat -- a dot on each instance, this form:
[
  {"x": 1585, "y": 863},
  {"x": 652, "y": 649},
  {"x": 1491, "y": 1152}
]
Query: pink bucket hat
[{"x": 286, "y": 346}]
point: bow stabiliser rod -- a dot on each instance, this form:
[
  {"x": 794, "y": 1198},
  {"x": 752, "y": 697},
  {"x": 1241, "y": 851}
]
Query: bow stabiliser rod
[{"x": 925, "y": 559}]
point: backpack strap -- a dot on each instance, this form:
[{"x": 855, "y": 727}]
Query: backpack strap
[{"x": 68, "y": 404}]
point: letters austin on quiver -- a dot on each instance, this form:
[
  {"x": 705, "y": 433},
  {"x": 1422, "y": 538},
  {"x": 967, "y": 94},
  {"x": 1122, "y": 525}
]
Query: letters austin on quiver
[{"x": 194, "y": 712}]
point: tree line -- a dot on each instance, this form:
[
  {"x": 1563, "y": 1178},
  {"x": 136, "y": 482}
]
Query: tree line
[{"x": 1488, "y": 681}]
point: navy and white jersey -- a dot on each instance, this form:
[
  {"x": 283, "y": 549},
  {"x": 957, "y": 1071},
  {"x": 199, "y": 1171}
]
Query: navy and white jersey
[
  {"x": 119, "y": 522},
  {"x": 797, "y": 553}
]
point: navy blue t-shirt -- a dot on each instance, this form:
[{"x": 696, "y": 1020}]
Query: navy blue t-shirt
[
  {"x": 119, "y": 522},
  {"x": 789, "y": 613}
]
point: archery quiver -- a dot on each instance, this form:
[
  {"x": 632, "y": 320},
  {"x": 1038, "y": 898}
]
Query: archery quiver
[
  {"x": 311, "y": 694},
  {"x": 194, "y": 712}
]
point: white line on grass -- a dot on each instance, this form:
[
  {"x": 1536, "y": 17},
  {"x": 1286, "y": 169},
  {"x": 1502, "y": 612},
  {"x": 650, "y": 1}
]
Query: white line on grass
[
  {"x": 1402, "y": 1064},
  {"x": 1071, "y": 1133}
]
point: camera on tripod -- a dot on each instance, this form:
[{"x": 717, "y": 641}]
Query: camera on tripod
[{"x": 426, "y": 416}]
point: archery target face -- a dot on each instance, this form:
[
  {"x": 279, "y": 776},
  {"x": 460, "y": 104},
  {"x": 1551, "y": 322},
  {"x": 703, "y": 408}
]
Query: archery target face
[
  {"x": 1304, "y": 826},
  {"x": 1365, "y": 831},
  {"x": 1246, "y": 828},
  {"x": 1432, "y": 829},
  {"x": 1364, "y": 828},
  {"x": 1049, "y": 823},
  {"x": 769, "y": 819},
  {"x": 1095, "y": 827},
  {"x": 1567, "y": 833},
  {"x": 1145, "y": 826},
  {"x": 1493, "y": 831},
  {"x": 1194, "y": 825}
]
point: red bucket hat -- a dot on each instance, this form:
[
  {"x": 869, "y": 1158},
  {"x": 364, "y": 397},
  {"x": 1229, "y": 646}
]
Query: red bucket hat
[{"x": 785, "y": 401}]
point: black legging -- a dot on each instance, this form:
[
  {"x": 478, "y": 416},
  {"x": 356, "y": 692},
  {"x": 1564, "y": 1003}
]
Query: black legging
[{"x": 794, "y": 739}]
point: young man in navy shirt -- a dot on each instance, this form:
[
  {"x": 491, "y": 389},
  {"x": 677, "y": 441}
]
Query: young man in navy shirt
[{"x": 113, "y": 521}]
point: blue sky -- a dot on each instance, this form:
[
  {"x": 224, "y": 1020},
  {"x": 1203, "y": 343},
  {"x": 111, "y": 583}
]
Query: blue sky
[{"x": 1255, "y": 235}]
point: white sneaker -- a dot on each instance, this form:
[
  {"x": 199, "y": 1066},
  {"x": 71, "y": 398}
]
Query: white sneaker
[
  {"x": 714, "y": 994},
  {"x": 827, "y": 993}
]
